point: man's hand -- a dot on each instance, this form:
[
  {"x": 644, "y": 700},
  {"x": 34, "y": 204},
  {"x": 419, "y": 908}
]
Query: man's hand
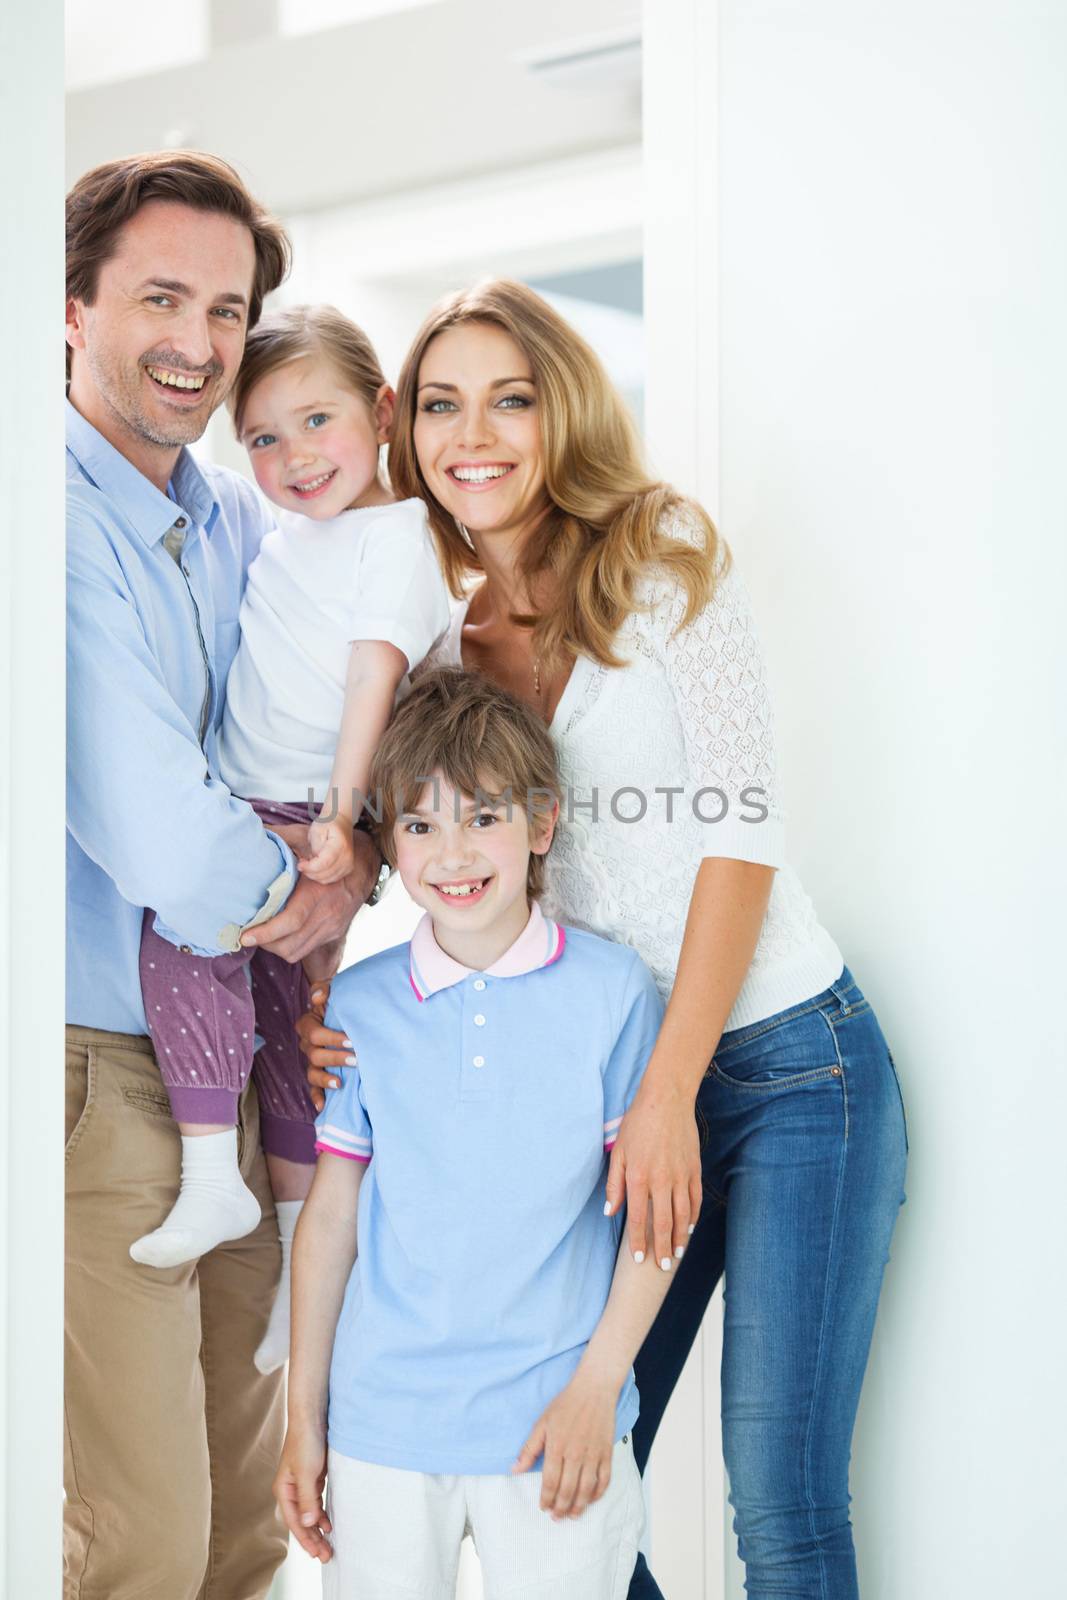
[
  {"x": 298, "y": 1487},
  {"x": 576, "y": 1434},
  {"x": 318, "y": 913}
]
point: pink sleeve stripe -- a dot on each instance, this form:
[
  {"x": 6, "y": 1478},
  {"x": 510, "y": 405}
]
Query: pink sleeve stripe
[
  {"x": 418, "y": 996},
  {"x": 332, "y": 1150}
]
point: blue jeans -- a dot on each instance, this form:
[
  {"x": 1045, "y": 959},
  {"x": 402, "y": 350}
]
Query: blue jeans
[{"x": 803, "y": 1148}]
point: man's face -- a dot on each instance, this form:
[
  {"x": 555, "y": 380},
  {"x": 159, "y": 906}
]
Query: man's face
[{"x": 161, "y": 343}]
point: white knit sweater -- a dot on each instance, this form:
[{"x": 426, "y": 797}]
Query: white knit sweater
[{"x": 689, "y": 712}]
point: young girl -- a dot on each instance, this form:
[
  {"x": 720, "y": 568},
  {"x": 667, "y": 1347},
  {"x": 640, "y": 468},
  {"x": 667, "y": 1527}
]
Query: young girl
[
  {"x": 490, "y": 1319},
  {"x": 342, "y": 600}
]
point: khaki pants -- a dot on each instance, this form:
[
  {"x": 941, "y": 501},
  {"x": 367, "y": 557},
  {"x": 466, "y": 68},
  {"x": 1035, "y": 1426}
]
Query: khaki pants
[{"x": 171, "y": 1435}]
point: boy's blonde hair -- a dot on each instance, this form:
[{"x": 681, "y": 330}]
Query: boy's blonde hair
[
  {"x": 284, "y": 336},
  {"x": 608, "y": 519},
  {"x": 481, "y": 739}
]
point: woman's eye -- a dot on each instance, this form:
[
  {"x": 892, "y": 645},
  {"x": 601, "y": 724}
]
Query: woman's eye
[
  {"x": 418, "y": 828},
  {"x": 484, "y": 819},
  {"x": 317, "y": 420},
  {"x": 262, "y": 440},
  {"x": 439, "y": 405},
  {"x": 515, "y": 402}
]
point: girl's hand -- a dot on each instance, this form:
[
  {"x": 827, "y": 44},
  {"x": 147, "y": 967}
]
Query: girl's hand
[
  {"x": 327, "y": 1051},
  {"x": 333, "y": 854},
  {"x": 298, "y": 1489},
  {"x": 657, "y": 1158},
  {"x": 575, "y": 1434}
]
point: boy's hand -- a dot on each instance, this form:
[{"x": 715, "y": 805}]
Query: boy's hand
[
  {"x": 576, "y": 1434},
  {"x": 298, "y": 1488},
  {"x": 333, "y": 854}
]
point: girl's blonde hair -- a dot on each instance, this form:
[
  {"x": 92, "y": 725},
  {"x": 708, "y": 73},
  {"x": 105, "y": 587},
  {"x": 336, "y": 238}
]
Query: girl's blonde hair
[
  {"x": 283, "y": 336},
  {"x": 484, "y": 741},
  {"x": 607, "y": 518}
]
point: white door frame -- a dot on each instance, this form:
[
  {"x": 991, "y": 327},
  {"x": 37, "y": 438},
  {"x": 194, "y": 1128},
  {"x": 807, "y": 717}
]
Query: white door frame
[
  {"x": 680, "y": 132},
  {"x": 32, "y": 804}
]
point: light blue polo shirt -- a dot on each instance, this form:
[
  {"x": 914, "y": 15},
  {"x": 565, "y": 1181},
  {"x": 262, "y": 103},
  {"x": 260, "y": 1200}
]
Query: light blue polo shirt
[{"x": 484, "y": 1103}]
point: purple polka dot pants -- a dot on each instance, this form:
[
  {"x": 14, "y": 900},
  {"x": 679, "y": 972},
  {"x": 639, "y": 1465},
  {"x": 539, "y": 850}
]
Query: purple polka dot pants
[{"x": 204, "y": 1013}]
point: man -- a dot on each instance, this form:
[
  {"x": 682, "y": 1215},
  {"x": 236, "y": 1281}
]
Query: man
[{"x": 172, "y": 1436}]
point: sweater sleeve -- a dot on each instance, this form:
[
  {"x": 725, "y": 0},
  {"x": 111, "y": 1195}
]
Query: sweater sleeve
[{"x": 717, "y": 677}]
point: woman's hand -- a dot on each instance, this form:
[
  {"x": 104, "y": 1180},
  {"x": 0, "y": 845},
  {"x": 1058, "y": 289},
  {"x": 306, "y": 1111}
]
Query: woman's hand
[
  {"x": 575, "y": 1434},
  {"x": 327, "y": 1051},
  {"x": 298, "y": 1488},
  {"x": 657, "y": 1158}
]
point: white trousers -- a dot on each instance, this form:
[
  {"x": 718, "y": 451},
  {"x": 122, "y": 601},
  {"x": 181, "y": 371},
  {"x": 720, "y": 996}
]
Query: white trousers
[{"x": 396, "y": 1534}]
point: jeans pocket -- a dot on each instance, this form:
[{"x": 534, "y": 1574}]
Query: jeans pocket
[
  {"x": 900, "y": 1093},
  {"x": 767, "y": 1078}
]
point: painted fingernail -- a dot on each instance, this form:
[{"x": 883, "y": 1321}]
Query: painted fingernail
[
  {"x": 351, "y": 1061},
  {"x": 316, "y": 994},
  {"x": 346, "y": 1044},
  {"x": 607, "y": 1208},
  {"x": 639, "y": 1256},
  {"x": 666, "y": 1263},
  {"x": 679, "y": 1252},
  {"x": 692, "y": 1227},
  {"x": 335, "y": 1083}
]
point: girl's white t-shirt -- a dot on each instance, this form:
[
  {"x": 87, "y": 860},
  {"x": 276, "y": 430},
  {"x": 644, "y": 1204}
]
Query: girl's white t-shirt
[{"x": 314, "y": 589}]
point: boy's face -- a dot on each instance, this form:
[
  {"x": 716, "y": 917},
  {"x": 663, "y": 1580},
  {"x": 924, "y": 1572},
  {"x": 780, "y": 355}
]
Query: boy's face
[{"x": 465, "y": 864}]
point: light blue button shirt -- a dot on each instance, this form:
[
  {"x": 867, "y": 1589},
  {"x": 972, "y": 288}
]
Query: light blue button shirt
[
  {"x": 150, "y": 641},
  {"x": 484, "y": 1106}
]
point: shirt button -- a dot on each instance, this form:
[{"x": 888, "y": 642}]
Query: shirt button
[
  {"x": 479, "y": 1021},
  {"x": 479, "y": 983},
  {"x": 186, "y": 949},
  {"x": 179, "y": 522},
  {"x": 479, "y": 1061}
]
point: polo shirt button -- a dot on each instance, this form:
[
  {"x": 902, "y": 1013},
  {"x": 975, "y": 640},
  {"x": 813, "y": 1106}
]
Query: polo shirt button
[
  {"x": 179, "y": 522},
  {"x": 479, "y": 1061},
  {"x": 479, "y": 983},
  {"x": 186, "y": 949},
  {"x": 479, "y": 1021}
]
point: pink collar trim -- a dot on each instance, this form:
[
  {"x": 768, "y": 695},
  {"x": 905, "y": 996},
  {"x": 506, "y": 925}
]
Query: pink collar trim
[{"x": 539, "y": 944}]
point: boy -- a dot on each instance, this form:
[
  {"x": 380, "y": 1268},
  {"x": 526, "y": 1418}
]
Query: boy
[{"x": 491, "y": 1318}]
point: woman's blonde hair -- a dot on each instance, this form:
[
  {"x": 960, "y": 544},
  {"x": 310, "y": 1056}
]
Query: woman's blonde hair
[
  {"x": 283, "y": 336},
  {"x": 484, "y": 742},
  {"x": 607, "y": 518}
]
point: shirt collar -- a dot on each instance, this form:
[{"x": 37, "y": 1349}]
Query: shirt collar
[
  {"x": 539, "y": 944},
  {"x": 150, "y": 511}
]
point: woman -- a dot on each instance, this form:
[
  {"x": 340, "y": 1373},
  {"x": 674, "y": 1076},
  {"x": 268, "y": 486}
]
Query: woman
[{"x": 606, "y": 601}]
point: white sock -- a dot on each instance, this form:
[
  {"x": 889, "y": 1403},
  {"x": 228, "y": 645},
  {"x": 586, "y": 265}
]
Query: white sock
[
  {"x": 273, "y": 1351},
  {"x": 213, "y": 1204}
]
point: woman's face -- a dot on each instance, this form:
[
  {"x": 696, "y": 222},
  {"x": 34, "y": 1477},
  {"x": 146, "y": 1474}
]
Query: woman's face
[{"x": 478, "y": 430}]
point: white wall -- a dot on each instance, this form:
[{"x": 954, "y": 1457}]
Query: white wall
[
  {"x": 31, "y": 805},
  {"x": 892, "y": 345}
]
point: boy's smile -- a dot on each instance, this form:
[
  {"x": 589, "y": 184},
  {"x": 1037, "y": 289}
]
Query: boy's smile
[{"x": 467, "y": 866}]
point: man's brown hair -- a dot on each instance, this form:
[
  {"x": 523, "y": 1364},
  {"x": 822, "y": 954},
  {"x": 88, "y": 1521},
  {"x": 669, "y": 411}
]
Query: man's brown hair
[
  {"x": 104, "y": 200},
  {"x": 484, "y": 742}
]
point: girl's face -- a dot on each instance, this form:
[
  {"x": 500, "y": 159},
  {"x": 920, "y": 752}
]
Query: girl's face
[
  {"x": 312, "y": 442},
  {"x": 466, "y": 864},
  {"x": 478, "y": 431}
]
